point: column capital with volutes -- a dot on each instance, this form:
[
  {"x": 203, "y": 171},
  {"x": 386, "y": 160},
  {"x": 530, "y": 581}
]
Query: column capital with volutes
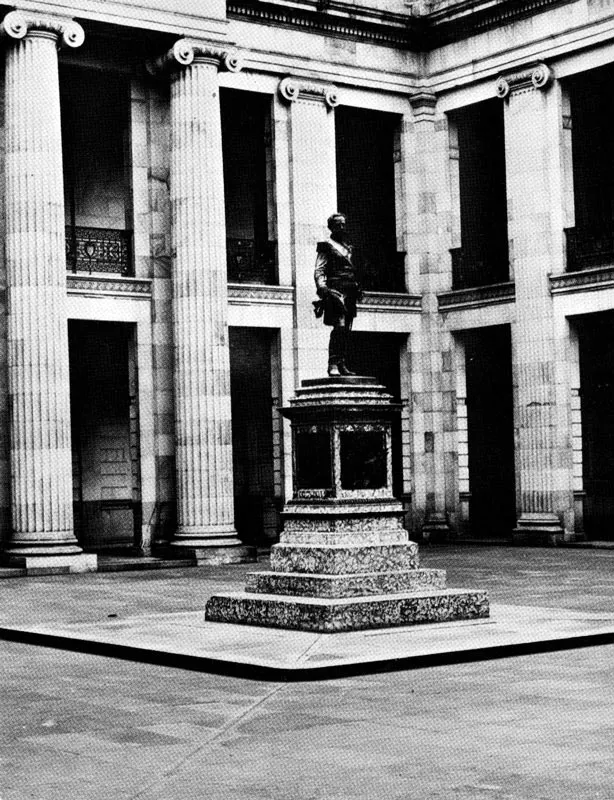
[
  {"x": 16, "y": 25},
  {"x": 292, "y": 89},
  {"x": 536, "y": 76},
  {"x": 186, "y": 52}
]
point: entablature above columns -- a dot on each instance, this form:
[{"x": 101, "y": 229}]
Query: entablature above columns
[{"x": 16, "y": 25}]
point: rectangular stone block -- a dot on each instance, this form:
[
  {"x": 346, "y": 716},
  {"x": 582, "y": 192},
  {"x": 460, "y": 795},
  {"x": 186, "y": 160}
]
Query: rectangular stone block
[
  {"x": 370, "y": 583},
  {"x": 341, "y": 560},
  {"x": 53, "y": 565},
  {"x": 337, "y": 615}
]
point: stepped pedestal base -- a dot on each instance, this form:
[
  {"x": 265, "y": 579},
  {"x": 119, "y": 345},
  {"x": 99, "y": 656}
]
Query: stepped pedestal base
[
  {"x": 344, "y": 561},
  {"x": 334, "y": 588},
  {"x": 348, "y": 614}
]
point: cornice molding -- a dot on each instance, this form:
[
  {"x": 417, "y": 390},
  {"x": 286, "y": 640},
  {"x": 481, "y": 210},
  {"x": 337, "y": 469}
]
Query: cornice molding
[
  {"x": 583, "y": 280},
  {"x": 86, "y": 284},
  {"x": 389, "y": 301},
  {"x": 418, "y": 33},
  {"x": 477, "y": 296},
  {"x": 256, "y": 293},
  {"x": 292, "y": 89},
  {"x": 473, "y": 17},
  {"x": 16, "y": 25},
  {"x": 392, "y": 30},
  {"x": 535, "y": 76},
  {"x": 193, "y": 51}
]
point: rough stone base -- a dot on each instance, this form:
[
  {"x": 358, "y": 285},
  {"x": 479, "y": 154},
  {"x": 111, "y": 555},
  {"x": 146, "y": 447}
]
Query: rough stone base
[
  {"x": 53, "y": 565},
  {"x": 232, "y": 554},
  {"x": 347, "y": 614},
  {"x": 344, "y": 559},
  {"x": 355, "y": 585}
]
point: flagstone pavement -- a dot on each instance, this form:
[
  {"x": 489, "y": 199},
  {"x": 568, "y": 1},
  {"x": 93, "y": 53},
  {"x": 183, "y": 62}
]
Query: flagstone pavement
[{"x": 530, "y": 727}]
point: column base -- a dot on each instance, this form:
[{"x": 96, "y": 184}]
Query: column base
[
  {"x": 540, "y": 530},
  {"x": 436, "y": 527},
  {"x": 215, "y": 551},
  {"x": 52, "y": 564}
]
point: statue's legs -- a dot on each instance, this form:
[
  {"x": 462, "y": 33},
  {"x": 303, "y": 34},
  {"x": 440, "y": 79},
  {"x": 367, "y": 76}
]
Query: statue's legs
[{"x": 337, "y": 348}]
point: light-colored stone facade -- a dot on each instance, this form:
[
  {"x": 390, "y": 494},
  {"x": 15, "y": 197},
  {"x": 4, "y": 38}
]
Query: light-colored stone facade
[{"x": 144, "y": 246}]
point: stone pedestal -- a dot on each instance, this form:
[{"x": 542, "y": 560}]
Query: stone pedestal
[{"x": 344, "y": 561}]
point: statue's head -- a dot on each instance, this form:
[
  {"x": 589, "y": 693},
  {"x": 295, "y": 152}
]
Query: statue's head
[{"x": 336, "y": 223}]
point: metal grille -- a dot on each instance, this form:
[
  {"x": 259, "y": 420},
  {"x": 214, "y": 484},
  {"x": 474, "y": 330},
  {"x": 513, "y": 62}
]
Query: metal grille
[
  {"x": 249, "y": 262},
  {"x": 98, "y": 250}
]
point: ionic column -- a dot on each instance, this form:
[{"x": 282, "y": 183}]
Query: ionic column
[
  {"x": 313, "y": 198},
  {"x": 203, "y": 447},
  {"x": 533, "y": 123},
  {"x": 41, "y": 466}
]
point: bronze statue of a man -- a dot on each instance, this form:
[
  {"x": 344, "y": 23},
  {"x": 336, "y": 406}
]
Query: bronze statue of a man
[{"x": 338, "y": 290}]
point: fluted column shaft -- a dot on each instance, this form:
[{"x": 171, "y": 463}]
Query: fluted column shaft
[
  {"x": 205, "y": 502},
  {"x": 41, "y": 468},
  {"x": 535, "y": 202}
]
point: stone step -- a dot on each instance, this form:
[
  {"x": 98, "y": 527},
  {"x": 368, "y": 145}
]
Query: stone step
[
  {"x": 12, "y": 572},
  {"x": 344, "y": 559},
  {"x": 127, "y": 564},
  {"x": 353, "y": 585},
  {"x": 321, "y": 615},
  {"x": 347, "y": 538}
]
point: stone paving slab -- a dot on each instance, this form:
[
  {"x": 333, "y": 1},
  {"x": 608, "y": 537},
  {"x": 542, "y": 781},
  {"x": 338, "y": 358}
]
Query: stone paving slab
[{"x": 186, "y": 640}]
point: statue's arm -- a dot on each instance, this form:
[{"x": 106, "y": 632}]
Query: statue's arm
[{"x": 320, "y": 273}]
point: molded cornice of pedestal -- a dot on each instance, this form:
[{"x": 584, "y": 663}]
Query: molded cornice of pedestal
[
  {"x": 291, "y": 89},
  {"x": 17, "y": 25},
  {"x": 536, "y": 76},
  {"x": 190, "y": 51}
]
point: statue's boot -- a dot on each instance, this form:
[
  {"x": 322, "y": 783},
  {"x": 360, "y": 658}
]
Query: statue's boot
[
  {"x": 335, "y": 351},
  {"x": 344, "y": 369}
]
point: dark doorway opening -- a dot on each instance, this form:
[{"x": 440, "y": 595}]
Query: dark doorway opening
[
  {"x": 379, "y": 354},
  {"x": 490, "y": 424},
  {"x": 596, "y": 339},
  {"x": 256, "y": 508},
  {"x": 104, "y": 428}
]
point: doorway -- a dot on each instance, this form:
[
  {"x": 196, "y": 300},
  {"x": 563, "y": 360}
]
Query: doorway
[
  {"x": 256, "y": 507},
  {"x": 596, "y": 340},
  {"x": 104, "y": 428},
  {"x": 490, "y": 429}
]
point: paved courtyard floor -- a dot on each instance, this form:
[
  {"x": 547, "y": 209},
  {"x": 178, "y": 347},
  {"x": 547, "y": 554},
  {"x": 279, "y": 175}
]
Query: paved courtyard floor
[{"x": 76, "y": 725}]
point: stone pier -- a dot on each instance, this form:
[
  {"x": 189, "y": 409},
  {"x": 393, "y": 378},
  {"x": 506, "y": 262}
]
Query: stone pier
[{"x": 344, "y": 561}]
